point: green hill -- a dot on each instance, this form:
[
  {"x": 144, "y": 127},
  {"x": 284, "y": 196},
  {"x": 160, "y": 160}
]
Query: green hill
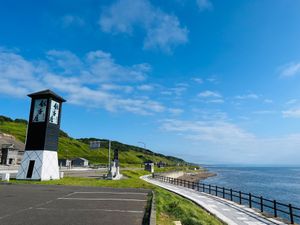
[{"x": 71, "y": 148}]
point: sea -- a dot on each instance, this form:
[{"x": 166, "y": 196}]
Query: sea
[{"x": 275, "y": 183}]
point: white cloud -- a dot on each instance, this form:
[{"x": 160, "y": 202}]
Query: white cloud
[
  {"x": 114, "y": 87},
  {"x": 268, "y": 101},
  {"x": 93, "y": 85},
  {"x": 102, "y": 67},
  {"x": 212, "y": 131},
  {"x": 248, "y": 96},
  {"x": 209, "y": 94},
  {"x": 69, "y": 20},
  {"x": 264, "y": 112},
  {"x": 205, "y": 5},
  {"x": 163, "y": 30},
  {"x": 175, "y": 111},
  {"x": 215, "y": 101},
  {"x": 198, "y": 80},
  {"x": 211, "y": 97},
  {"x": 224, "y": 142},
  {"x": 290, "y": 70},
  {"x": 65, "y": 60},
  {"x": 177, "y": 91},
  {"x": 212, "y": 79},
  {"x": 145, "y": 87},
  {"x": 291, "y": 102},
  {"x": 291, "y": 113}
]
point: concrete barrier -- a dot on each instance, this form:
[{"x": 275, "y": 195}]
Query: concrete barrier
[
  {"x": 5, "y": 176},
  {"x": 173, "y": 174}
]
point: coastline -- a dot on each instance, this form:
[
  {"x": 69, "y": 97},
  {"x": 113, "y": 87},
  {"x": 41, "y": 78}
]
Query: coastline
[{"x": 197, "y": 176}]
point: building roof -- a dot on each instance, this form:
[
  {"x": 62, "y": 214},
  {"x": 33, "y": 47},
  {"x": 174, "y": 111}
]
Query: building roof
[
  {"x": 81, "y": 159},
  {"x": 46, "y": 93},
  {"x": 148, "y": 161}
]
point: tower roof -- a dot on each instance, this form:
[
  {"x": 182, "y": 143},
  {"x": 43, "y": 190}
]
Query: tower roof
[{"x": 46, "y": 93}]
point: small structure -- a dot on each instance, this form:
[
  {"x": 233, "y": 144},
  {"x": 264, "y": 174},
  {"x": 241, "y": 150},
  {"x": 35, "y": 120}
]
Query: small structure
[
  {"x": 64, "y": 162},
  {"x": 95, "y": 145},
  {"x": 149, "y": 166},
  {"x": 9, "y": 155},
  {"x": 80, "y": 162},
  {"x": 114, "y": 170},
  {"x": 161, "y": 164}
]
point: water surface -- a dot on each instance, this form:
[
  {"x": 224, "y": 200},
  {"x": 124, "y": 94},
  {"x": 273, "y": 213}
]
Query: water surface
[{"x": 279, "y": 183}]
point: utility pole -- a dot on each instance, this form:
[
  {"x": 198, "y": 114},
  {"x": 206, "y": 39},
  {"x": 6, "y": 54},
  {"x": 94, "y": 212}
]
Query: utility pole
[{"x": 109, "y": 147}]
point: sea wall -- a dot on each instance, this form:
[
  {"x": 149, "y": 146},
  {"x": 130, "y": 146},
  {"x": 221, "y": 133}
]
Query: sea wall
[{"x": 173, "y": 174}]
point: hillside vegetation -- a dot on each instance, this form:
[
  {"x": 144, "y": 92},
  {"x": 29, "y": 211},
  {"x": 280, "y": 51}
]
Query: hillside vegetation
[{"x": 71, "y": 148}]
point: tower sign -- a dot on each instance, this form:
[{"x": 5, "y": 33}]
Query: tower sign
[{"x": 40, "y": 160}]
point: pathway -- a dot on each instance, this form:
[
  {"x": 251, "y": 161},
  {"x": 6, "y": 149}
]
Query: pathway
[{"x": 227, "y": 211}]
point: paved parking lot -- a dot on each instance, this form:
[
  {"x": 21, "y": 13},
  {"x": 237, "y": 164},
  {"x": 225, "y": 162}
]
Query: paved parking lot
[{"x": 65, "y": 205}]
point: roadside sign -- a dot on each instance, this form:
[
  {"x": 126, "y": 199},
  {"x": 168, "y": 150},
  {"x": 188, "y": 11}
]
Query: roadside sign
[{"x": 95, "y": 144}]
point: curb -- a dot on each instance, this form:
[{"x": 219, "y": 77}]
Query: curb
[{"x": 153, "y": 211}]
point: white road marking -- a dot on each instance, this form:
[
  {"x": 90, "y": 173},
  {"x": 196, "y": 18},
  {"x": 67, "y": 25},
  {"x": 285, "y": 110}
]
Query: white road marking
[
  {"x": 117, "y": 193},
  {"x": 226, "y": 209},
  {"x": 242, "y": 218},
  {"x": 89, "y": 210},
  {"x": 104, "y": 199}
]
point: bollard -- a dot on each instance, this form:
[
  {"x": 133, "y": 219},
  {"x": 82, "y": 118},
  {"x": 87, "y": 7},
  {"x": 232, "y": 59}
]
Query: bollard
[{"x": 5, "y": 176}]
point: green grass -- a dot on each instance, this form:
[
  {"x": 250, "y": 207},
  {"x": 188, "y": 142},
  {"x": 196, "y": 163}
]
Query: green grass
[
  {"x": 68, "y": 147},
  {"x": 169, "y": 206}
]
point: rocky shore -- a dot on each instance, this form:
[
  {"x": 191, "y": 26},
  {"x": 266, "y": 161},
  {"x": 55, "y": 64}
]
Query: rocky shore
[{"x": 197, "y": 176}]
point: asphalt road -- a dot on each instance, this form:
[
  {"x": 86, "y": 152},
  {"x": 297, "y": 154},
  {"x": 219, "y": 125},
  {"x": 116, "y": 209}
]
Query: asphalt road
[{"x": 66, "y": 205}]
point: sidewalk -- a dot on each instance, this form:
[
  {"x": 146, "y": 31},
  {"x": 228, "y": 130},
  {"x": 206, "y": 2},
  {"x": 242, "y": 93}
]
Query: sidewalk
[{"x": 227, "y": 211}]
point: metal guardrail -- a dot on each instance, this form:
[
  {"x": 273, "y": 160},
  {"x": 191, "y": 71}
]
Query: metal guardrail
[{"x": 272, "y": 207}]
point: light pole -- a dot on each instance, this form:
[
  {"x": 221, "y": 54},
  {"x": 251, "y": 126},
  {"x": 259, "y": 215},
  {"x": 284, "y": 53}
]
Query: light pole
[{"x": 109, "y": 147}]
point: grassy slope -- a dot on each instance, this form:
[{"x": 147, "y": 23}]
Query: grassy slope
[
  {"x": 71, "y": 148},
  {"x": 169, "y": 206}
]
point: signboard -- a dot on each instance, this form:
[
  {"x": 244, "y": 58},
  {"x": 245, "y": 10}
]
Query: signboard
[{"x": 95, "y": 144}]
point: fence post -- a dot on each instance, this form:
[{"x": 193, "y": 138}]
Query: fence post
[
  {"x": 240, "y": 196},
  {"x": 250, "y": 200},
  {"x": 198, "y": 187},
  {"x": 216, "y": 190},
  {"x": 209, "y": 189},
  {"x": 223, "y": 192},
  {"x": 203, "y": 187},
  {"x": 291, "y": 214},
  {"x": 231, "y": 195},
  {"x": 261, "y": 204},
  {"x": 275, "y": 208}
]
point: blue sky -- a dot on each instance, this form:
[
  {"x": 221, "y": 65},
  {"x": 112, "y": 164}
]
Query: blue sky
[{"x": 210, "y": 81}]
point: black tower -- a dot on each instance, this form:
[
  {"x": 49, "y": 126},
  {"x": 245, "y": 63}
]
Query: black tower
[{"x": 40, "y": 158}]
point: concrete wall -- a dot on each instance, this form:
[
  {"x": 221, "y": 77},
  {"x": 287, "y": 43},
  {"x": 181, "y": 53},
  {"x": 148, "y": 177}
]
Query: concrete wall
[{"x": 173, "y": 174}]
